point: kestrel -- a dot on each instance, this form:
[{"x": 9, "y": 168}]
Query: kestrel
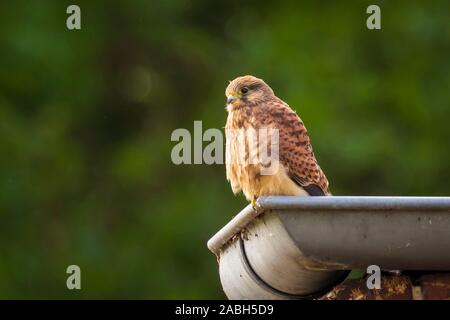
[{"x": 252, "y": 105}]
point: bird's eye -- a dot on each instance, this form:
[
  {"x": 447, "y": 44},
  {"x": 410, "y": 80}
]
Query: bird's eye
[{"x": 244, "y": 90}]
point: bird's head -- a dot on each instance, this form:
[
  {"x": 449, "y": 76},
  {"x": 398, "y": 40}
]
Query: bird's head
[{"x": 247, "y": 91}]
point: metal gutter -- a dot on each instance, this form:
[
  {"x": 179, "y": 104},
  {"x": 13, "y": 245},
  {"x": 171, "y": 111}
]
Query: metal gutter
[
  {"x": 406, "y": 233},
  {"x": 231, "y": 229},
  {"x": 355, "y": 203}
]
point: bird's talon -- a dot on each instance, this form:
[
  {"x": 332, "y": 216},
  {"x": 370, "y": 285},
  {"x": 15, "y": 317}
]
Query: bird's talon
[{"x": 254, "y": 198}]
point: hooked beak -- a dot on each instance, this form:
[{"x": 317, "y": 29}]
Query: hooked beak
[{"x": 231, "y": 99}]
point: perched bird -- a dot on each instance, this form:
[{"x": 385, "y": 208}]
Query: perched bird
[{"x": 252, "y": 105}]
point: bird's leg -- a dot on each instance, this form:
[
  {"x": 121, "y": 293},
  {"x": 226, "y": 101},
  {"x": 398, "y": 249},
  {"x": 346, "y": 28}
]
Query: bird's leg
[{"x": 254, "y": 198}]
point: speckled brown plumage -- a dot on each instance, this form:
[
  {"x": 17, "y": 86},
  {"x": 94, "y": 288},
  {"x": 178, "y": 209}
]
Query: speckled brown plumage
[{"x": 252, "y": 104}]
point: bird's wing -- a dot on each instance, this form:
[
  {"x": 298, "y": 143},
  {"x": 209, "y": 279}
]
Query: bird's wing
[{"x": 295, "y": 150}]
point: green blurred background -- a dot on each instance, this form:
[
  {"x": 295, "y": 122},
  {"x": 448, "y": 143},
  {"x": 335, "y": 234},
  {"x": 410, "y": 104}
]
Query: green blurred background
[{"x": 86, "y": 118}]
